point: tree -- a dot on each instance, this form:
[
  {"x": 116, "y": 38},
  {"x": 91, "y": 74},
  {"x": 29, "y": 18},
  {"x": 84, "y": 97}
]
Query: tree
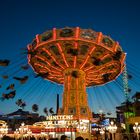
[
  {"x": 20, "y": 103},
  {"x": 45, "y": 111},
  {"x": 51, "y": 111},
  {"x": 35, "y": 107}
]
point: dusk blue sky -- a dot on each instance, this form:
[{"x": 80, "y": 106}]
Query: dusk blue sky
[{"x": 21, "y": 20}]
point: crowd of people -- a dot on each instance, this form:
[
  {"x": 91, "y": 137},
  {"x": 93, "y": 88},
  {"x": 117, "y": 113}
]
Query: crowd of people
[{"x": 63, "y": 137}]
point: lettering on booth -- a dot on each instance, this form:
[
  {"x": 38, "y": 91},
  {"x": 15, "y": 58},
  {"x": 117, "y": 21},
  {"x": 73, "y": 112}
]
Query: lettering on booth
[{"x": 60, "y": 117}]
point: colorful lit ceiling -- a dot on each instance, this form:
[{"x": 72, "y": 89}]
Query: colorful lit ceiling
[{"x": 54, "y": 51}]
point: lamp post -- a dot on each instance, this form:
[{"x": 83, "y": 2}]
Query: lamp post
[
  {"x": 16, "y": 133},
  {"x": 43, "y": 135},
  {"x": 3, "y": 130},
  {"x": 29, "y": 132},
  {"x": 136, "y": 129},
  {"x": 102, "y": 132},
  {"x": 22, "y": 130},
  {"x": 112, "y": 128}
]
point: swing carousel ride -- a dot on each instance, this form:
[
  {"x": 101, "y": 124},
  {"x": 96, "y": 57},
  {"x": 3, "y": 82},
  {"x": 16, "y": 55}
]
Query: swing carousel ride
[{"x": 76, "y": 58}]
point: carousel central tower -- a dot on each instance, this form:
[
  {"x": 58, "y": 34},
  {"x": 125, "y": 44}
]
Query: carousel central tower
[{"x": 75, "y": 101}]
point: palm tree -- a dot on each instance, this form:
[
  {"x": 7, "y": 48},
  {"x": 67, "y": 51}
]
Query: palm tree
[
  {"x": 51, "y": 111},
  {"x": 23, "y": 105},
  {"x": 20, "y": 103},
  {"x": 35, "y": 107},
  {"x": 45, "y": 111}
]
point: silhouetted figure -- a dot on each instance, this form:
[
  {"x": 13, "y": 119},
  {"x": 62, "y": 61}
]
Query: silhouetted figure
[
  {"x": 6, "y": 138},
  {"x": 5, "y": 77},
  {"x": 126, "y": 138},
  {"x": 79, "y": 138},
  {"x": 43, "y": 75},
  {"x": 32, "y": 138},
  {"x": 25, "y": 67},
  {"x": 63, "y": 137},
  {"x": 11, "y": 86},
  {"x": 4, "y": 62},
  {"x": 21, "y": 79},
  {"x": 9, "y": 95}
]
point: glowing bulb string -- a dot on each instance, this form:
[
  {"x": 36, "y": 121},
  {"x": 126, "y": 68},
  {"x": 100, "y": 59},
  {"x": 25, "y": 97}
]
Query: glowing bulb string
[{"x": 125, "y": 82}]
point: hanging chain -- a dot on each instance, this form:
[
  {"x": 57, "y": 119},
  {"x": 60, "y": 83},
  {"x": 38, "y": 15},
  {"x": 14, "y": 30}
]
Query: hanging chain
[{"x": 125, "y": 82}]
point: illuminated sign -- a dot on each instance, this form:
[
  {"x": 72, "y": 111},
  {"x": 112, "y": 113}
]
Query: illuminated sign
[{"x": 60, "y": 117}]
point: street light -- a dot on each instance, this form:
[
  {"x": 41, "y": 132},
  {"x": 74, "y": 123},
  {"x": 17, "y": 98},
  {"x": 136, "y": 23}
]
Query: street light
[
  {"x": 102, "y": 132},
  {"x": 112, "y": 128},
  {"x": 16, "y": 133},
  {"x": 136, "y": 129},
  {"x": 43, "y": 134},
  {"x": 23, "y": 130},
  {"x": 3, "y": 130},
  {"x": 29, "y": 132}
]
